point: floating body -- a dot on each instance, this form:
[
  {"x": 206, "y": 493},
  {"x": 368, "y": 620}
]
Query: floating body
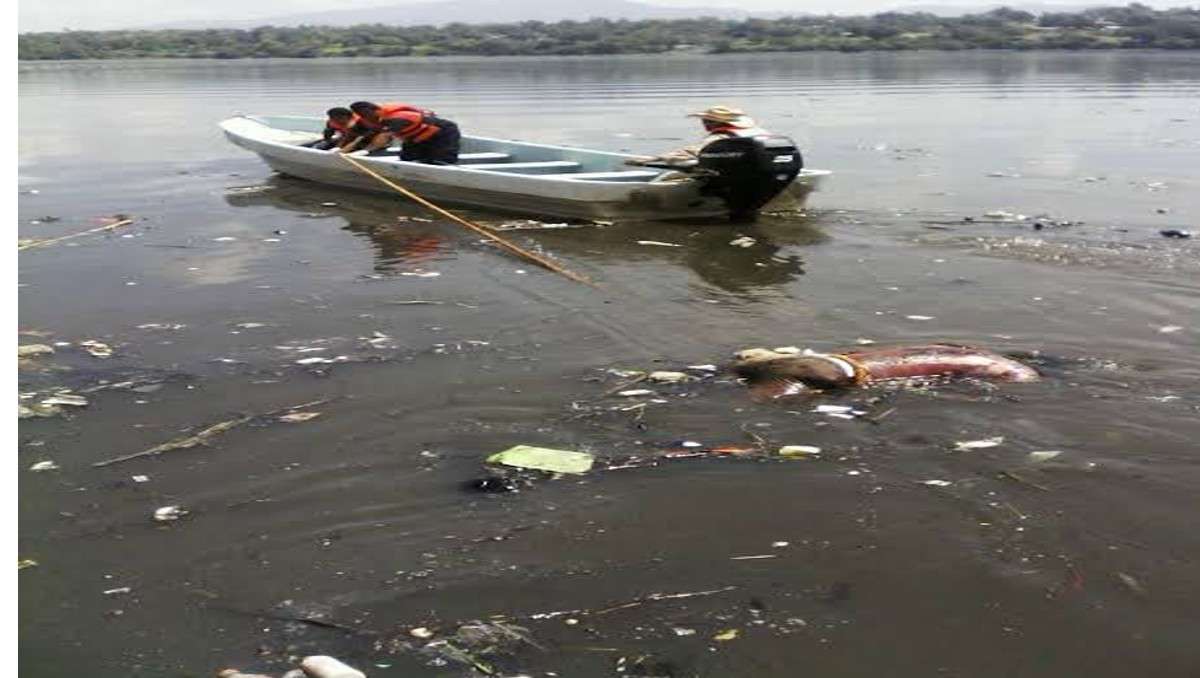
[
  {"x": 522, "y": 177},
  {"x": 779, "y": 373}
]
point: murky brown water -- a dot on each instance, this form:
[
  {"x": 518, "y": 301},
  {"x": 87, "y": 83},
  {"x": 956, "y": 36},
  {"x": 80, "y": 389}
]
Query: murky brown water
[{"x": 1081, "y": 565}]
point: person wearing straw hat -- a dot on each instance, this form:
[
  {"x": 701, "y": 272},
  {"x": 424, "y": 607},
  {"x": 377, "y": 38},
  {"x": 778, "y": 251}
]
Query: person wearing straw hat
[{"x": 720, "y": 122}]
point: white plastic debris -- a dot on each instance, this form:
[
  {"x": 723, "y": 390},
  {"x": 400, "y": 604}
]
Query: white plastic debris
[
  {"x": 328, "y": 667},
  {"x": 680, "y": 631},
  {"x": 421, "y": 274},
  {"x": 668, "y": 377},
  {"x": 42, "y": 466},
  {"x": 166, "y": 514},
  {"x": 225, "y": 238},
  {"x": 633, "y": 393},
  {"x": 799, "y": 451},
  {"x": 864, "y": 342},
  {"x": 116, "y": 591},
  {"x": 937, "y": 483},
  {"x": 1043, "y": 455},
  {"x": 744, "y": 241},
  {"x": 297, "y": 417},
  {"x": 97, "y": 349},
  {"x": 780, "y": 544},
  {"x": 140, "y": 479},
  {"x": 420, "y": 632},
  {"x": 68, "y": 399},
  {"x": 658, "y": 243},
  {"x": 1170, "y": 329},
  {"x": 919, "y": 317},
  {"x": 704, "y": 368},
  {"x": 965, "y": 445}
]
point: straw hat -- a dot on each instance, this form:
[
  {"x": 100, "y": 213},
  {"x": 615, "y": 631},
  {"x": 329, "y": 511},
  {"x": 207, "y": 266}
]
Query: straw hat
[{"x": 725, "y": 115}]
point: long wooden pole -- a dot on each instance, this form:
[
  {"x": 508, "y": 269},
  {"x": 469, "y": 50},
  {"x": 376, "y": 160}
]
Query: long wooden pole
[
  {"x": 108, "y": 227},
  {"x": 535, "y": 258}
]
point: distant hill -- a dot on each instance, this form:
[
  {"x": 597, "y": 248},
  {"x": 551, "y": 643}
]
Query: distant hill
[{"x": 439, "y": 12}]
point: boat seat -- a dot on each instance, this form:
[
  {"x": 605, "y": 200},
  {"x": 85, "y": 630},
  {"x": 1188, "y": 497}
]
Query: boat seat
[
  {"x": 544, "y": 167},
  {"x": 619, "y": 175}
]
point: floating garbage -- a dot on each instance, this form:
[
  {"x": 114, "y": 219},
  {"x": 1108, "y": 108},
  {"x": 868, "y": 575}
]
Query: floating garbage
[
  {"x": 668, "y": 377},
  {"x": 729, "y": 634},
  {"x": 544, "y": 459},
  {"x": 42, "y": 466},
  {"x": 37, "y": 410},
  {"x": 297, "y": 417},
  {"x": 1170, "y": 329},
  {"x": 321, "y": 666},
  {"x": 965, "y": 445},
  {"x": 421, "y": 274},
  {"x": 166, "y": 514},
  {"x": 67, "y": 399},
  {"x": 658, "y": 244},
  {"x": 1043, "y": 455},
  {"x": 1175, "y": 233},
  {"x": 97, "y": 349},
  {"x": 919, "y": 317},
  {"x": 34, "y": 350},
  {"x": 744, "y": 241},
  {"x": 635, "y": 392},
  {"x": 225, "y": 238},
  {"x": 937, "y": 483},
  {"x": 798, "y": 451},
  {"x": 26, "y": 563}
]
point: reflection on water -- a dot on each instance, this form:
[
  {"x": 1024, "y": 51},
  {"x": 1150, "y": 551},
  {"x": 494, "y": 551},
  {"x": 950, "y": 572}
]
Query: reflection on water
[{"x": 403, "y": 237}]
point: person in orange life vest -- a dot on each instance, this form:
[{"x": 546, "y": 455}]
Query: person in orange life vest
[
  {"x": 340, "y": 128},
  {"x": 426, "y": 137},
  {"x": 720, "y": 122},
  {"x": 368, "y": 126}
]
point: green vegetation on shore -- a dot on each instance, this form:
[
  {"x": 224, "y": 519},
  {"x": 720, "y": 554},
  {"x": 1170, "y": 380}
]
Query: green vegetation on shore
[{"x": 1133, "y": 26}]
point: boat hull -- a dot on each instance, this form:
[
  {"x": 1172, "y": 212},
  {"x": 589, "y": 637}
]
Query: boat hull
[{"x": 276, "y": 141}]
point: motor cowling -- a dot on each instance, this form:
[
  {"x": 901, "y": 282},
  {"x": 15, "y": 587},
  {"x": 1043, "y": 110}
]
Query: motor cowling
[{"x": 747, "y": 172}]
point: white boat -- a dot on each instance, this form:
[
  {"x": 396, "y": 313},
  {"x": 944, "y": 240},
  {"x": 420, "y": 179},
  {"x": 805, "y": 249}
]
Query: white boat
[{"x": 537, "y": 179}]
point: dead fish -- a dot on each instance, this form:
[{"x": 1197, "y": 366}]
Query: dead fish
[{"x": 773, "y": 374}]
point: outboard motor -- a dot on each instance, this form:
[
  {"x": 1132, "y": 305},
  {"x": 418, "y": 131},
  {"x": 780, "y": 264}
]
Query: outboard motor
[{"x": 746, "y": 172}]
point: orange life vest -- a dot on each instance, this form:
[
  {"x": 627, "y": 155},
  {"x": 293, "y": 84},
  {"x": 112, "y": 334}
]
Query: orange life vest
[
  {"x": 410, "y": 124},
  {"x": 387, "y": 111}
]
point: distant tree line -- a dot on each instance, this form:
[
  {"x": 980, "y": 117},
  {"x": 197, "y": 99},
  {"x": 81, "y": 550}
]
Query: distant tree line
[{"x": 1132, "y": 26}]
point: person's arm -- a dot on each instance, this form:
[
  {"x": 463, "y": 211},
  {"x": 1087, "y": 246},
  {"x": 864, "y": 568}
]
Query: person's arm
[{"x": 381, "y": 140}]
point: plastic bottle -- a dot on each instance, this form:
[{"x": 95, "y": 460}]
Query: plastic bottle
[{"x": 320, "y": 666}]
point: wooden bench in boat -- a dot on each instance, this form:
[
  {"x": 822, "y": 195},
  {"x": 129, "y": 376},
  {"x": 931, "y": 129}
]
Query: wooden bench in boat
[
  {"x": 543, "y": 167},
  {"x": 618, "y": 175}
]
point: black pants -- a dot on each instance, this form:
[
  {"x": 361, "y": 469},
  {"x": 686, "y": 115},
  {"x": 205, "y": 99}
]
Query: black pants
[
  {"x": 321, "y": 144},
  {"x": 440, "y": 149}
]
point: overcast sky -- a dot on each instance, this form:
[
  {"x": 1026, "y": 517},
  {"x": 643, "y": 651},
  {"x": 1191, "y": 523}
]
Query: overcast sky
[{"x": 53, "y": 15}]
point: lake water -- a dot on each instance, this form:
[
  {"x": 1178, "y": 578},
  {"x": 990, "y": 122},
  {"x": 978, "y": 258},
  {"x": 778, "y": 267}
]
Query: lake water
[{"x": 1081, "y": 565}]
